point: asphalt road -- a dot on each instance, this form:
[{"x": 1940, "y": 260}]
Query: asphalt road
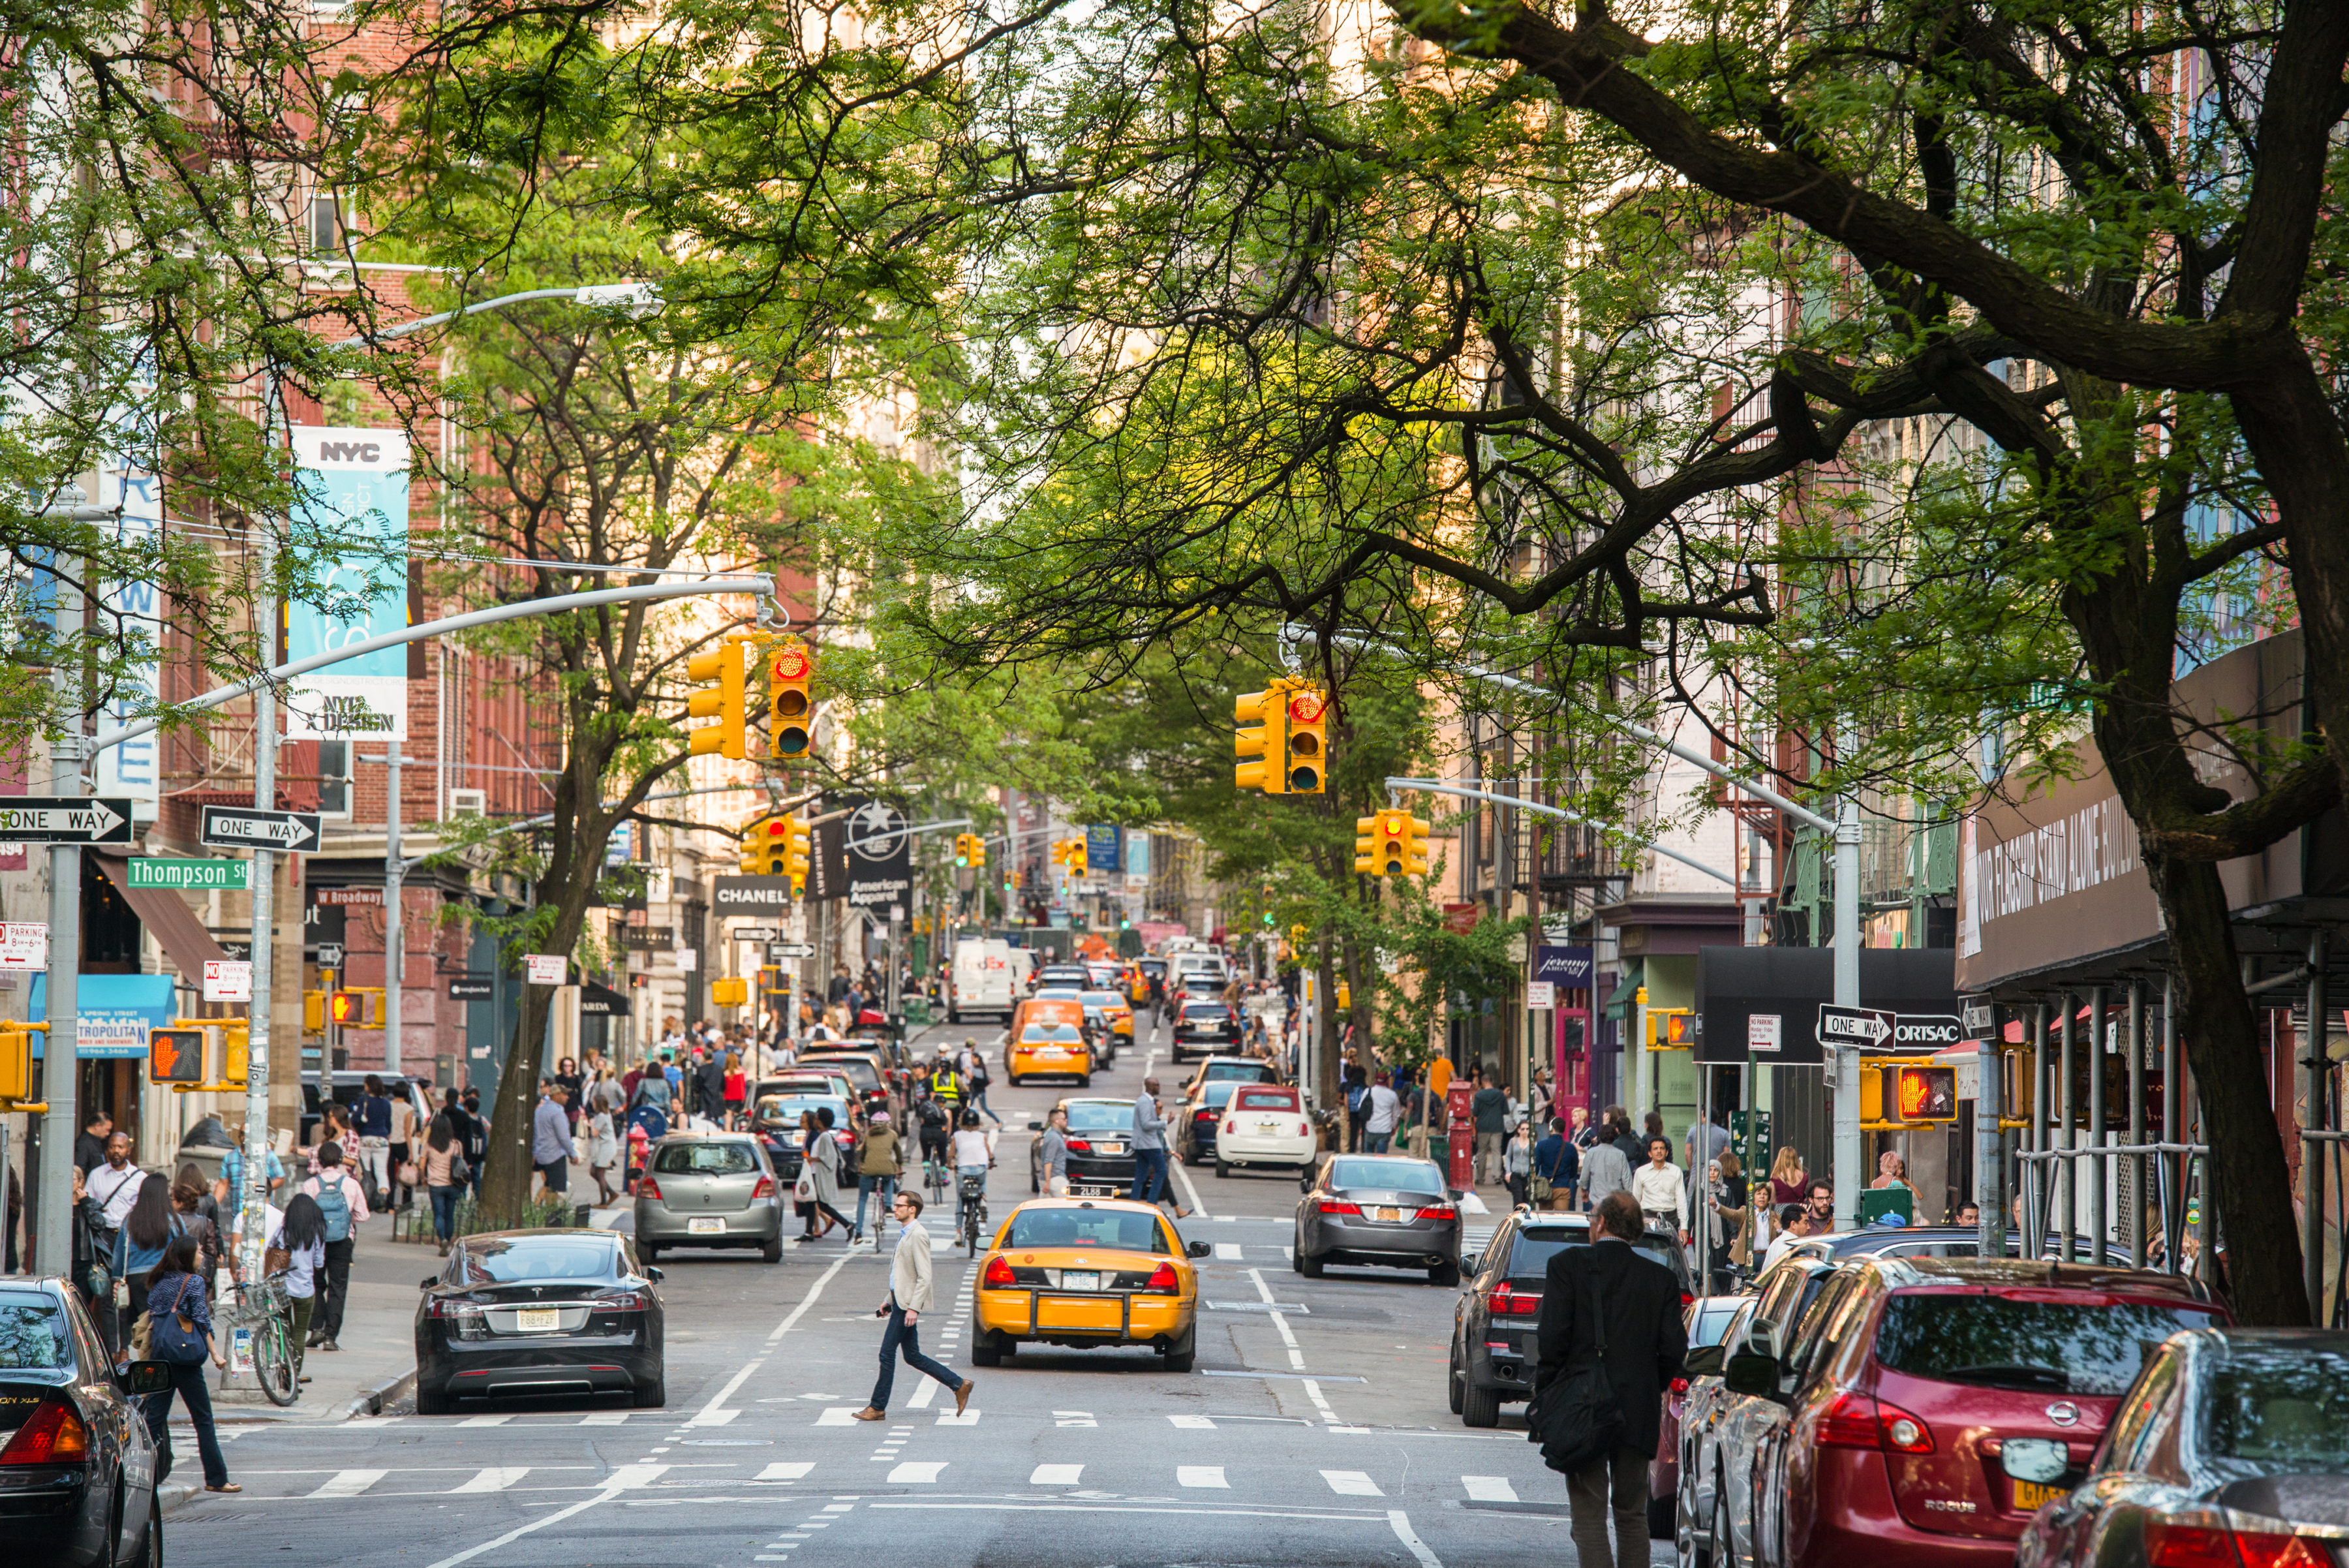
[{"x": 1314, "y": 1433}]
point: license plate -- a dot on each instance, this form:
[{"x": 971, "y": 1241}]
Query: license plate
[
  {"x": 1073, "y": 1281},
  {"x": 1267, "y": 1126},
  {"x": 529, "y": 1318},
  {"x": 1112, "y": 1148},
  {"x": 699, "y": 1227},
  {"x": 2030, "y": 1496},
  {"x": 1392, "y": 1216}
]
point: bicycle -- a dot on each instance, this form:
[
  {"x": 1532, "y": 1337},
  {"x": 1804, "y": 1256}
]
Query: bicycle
[
  {"x": 934, "y": 1177},
  {"x": 973, "y": 1217},
  {"x": 265, "y": 1308}
]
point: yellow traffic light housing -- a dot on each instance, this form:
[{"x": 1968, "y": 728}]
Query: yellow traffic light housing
[
  {"x": 1366, "y": 846},
  {"x": 729, "y": 992},
  {"x": 791, "y": 710},
  {"x": 175, "y": 1056},
  {"x": 17, "y": 1060},
  {"x": 1060, "y": 852},
  {"x": 1263, "y": 718},
  {"x": 725, "y": 702},
  {"x": 1307, "y": 733},
  {"x": 794, "y": 863},
  {"x": 314, "y": 1010},
  {"x": 962, "y": 850},
  {"x": 1076, "y": 857},
  {"x": 751, "y": 852},
  {"x": 977, "y": 850}
]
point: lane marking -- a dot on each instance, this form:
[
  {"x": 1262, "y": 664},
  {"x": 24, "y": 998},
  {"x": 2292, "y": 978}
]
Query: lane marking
[
  {"x": 1182, "y": 1175},
  {"x": 1056, "y": 1475},
  {"x": 708, "y": 1417},
  {"x": 916, "y": 1471},
  {"x": 1194, "y": 1423},
  {"x": 1189, "y": 1511},
  {"x": 967, "y": 1419},
  {"x": 348, "y": 1483},
  {"x": 785, "y": 1470},
  {"x": 518, "y": 1532},
  {"x": 1489, "y": 1489},
  {"x": 1320, "y": 1401},
  {"x": 1352, "y": 1483},
  {"x": 605, "y": 1418},
  {"x": 628, "y": 1478},
  {"x": 1404, "y": 1534},
  {"x": 837, "y": 1416},
  {"x": 1201, "y": 1475},
  {"x": 1227, "y": 1252},
  {"x": 775, "y": 1335},
  {"x": 496, "y": 1479}
]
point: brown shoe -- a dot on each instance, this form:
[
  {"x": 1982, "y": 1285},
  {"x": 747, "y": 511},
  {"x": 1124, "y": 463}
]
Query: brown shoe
[
  {"x": 870, "y": 1414},
  {"x": 962, "y": 1395}
]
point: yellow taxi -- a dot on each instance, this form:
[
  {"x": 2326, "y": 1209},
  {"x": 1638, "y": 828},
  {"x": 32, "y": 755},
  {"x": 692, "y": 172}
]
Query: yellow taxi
[
  {"x": 1137, "y": 983},
  {"x": 1050, "y": 1047},
  {"x": 1088, "y": 1271},
  {"x": 1116, "y": 1013}
]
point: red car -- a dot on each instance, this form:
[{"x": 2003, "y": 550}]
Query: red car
[{"x": 1909, "y": 1375}]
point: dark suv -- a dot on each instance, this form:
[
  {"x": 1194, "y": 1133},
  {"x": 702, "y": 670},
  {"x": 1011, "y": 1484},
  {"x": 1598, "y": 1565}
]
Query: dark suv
[{"x": 1203, "y": 1027}]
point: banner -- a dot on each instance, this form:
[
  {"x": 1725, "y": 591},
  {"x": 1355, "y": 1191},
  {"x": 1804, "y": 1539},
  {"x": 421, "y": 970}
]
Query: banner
[
  {"x": 360, "y": 480},
  {"x": 1102, "y": 844},
  {"x": 112, "y": 1015},
  {"x": 879, "y": 854},
  {"x": 133, "y": 768}
]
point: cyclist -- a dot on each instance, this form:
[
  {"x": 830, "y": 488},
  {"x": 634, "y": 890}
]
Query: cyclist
[
  {"x": 948, "y": 1085},
  {"x": 932, "y": 1122},
  {"x": 974, "y": 1156},
  {"x": 972, "y": 1067}
]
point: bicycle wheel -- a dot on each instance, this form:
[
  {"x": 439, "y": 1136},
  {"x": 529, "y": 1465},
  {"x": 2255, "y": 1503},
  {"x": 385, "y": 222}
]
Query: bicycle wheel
[{"x": 272, "y": 1360}]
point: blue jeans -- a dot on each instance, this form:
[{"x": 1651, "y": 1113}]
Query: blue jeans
[
  {"x": 979, "y": 1104},
  {"x": 909, "y": 1337},
  {"x": 444, "y": 1212},
  {"x": 188, "y": 1383},
  {"x": 1149, "y": 1175},
  {"x": 1376, "y": 1143},
  {"x": 886, "y": 1185}
]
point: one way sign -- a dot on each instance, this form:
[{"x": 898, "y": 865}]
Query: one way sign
[
  {"x": 238, "y": 827},
  {"x": 66, "y": 819},
  {"x": 1865, "y": 1027}
]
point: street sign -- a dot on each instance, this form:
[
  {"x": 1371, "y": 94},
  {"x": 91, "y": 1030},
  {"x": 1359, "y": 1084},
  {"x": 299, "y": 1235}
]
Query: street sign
[
  {"x": 240, "y": 828},
  {"x": 66, "y": 819},
  {"x": 347, "y": 897},
  {"x": 1541, "y": 993},
  {"x": 545, "y": 969},
  {"x": 1764, "y": 1031},
  {"x": 1927, "y": 1032},
  {"x": 1868, "y": 1028},
  {"x": 1974, "y": 1013},
  {"x": 330, "y": 955},
  {"x": 25, "y": 944},
  {"x": 756, "y": 933},
  {"x": 193, "y": 876},
  {"x": 228, "y": 980},
  {"x": 791, "y": 950}
]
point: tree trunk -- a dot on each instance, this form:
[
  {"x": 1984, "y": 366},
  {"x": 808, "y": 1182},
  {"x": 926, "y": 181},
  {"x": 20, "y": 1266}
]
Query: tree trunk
[
  {"x": 506, "y": 1180},
  {"x": 2249, "y": 1185}
]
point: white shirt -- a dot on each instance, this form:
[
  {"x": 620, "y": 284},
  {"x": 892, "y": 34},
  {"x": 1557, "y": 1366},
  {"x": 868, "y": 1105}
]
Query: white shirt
[
  {"x": 1657, "y": 1189},
  {"x": 116, "y": 1191},
  {"x": 972, "y": 1147},
  {"x": 1382, "y": 1108}
]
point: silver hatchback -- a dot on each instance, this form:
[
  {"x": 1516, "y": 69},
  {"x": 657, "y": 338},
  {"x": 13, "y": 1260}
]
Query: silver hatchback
[{"x": 710, "y": 1189}]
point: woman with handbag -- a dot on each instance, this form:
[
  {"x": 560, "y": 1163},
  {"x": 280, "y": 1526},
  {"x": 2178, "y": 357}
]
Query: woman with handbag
[
  {"x": 181, "y": 1332},
  {"x": 188, "y": 1201},
  {"x": 139, "y": 1245},
  {"x": 445, "y": 1175},
  {"x": 302, "y": 1236}
]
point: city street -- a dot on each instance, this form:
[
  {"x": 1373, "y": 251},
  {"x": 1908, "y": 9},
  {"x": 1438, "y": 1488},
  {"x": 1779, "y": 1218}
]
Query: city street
[{"x": 1315, "y": 1429}]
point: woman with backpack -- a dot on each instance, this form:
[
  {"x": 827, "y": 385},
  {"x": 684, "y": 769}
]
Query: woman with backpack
[
  {"x": 303, "y": 1234},
  {"x": 445, "y": 1175},
  {"x": 177, "y": 1296},
  {"x": 139, "y": 1245},
  {"x": 340, "y": 1199}
]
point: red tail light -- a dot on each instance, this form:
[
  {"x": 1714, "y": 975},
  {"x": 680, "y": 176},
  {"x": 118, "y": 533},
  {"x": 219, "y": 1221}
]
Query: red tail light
[
  {"x": 1686, "y": 1298},
  {"x": 1857, "y": 1422},
  {"x": 648, "y": 1188},
  {"x": 54, "y": 1435},
  {"x": 2196, "y": 1538},
  {"x": 766, "y": 1188},
  {"x": 1081, "y": 1145},
  {"x": 1506, "y": 1300},
  {"x": 1231, "y": 1127},
  {"x": 1439, "y": 1211},
  {"x": 1330, "y": 1206},
  {"x": 998, "y": 1271},
  {"x": 620, "y": 1301},
  {"x": 1202, "y": 1116},
  {"x": 1162, "y": 1282}
]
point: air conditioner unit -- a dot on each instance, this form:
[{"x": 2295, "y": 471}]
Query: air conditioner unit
[{"x": 468, "y": 802}]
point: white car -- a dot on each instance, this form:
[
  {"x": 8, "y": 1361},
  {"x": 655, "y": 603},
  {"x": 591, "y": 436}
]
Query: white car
[{"x": 1264, "y": 1125}]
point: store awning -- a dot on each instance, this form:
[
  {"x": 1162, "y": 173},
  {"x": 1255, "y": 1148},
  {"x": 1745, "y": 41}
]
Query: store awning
[
  {"x": 601, "y": 1001},
  {"x": 164, "y": 911},
  {"x": 1619, "y": 1001}
]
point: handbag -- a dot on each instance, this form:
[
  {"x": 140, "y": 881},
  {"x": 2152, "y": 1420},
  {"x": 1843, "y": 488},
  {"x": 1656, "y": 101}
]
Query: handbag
[
  {"x": 143, "y": 1337},
  {"x": 1577, "y": 1417},
  {"x": 174, "y": 1337},
  {"x": 803, "y": 1190}
]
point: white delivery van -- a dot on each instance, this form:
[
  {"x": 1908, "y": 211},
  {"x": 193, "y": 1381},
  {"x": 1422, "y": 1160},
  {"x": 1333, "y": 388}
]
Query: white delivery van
[{"x": 987, "y": 978}]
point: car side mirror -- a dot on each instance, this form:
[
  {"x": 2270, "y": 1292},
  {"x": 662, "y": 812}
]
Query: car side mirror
[
  {"x": 1035, "y": 1126},
  {"x": 1198, "y": 1249},
  {"x": 147, "y": 1377},
  {"x": 1751, "y": 1372},
  {"x": 429, "y": 1282},
  {"x": 1470, "y": 1262},
  {"x": 654, "y": 1274}
]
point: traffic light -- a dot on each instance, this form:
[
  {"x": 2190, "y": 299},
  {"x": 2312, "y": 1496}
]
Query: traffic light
[
  {"x": 752, "y": 851},
  {"x": 1308, "y": 731},
  {"x": 1263, "y": 717},
  {"x": 1060, "y": 852},
  {"x": 16, "y": 1061},
  {"x": 1929, "y": 1094},
  {"x": 1076, "y": 857},
  {"x": 347, "y": 1008},
  {"x": 724, "y": 701},
  {"x": 977, "y": 850},
  {"x": 236, "y": 1051},
  {"x": 795, "y": 854},
  {"x": 1400, "y": 848},
  {"x": 175, "y": 1056},
  {"x": 790, "y": 713},
  {"x": 313, "y": 1011},
  {"x": 1366, "y": 846},
  {"x": 729, "y": 992}
]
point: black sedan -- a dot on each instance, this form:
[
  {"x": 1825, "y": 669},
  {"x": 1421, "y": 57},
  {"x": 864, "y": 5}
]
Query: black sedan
[
  {"x": 2227, "y": 1448},
  {"x": 76, "y": 1465},
  {"x": 1195, "y": 1123},
  {"x": 539, "y": 1311},
  {"x": 1387, "y": 1210},
  {"x": 1101, "y": 1147},
  {"x": 1202, "y": 1027}
]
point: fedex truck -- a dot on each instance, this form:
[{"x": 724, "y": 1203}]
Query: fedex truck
[{"x": 989, "y": 976}]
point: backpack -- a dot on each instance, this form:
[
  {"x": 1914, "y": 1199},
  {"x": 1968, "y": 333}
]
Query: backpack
[
  {"x": 335, "y": 1208},
  {"x": 934, "y": 1114}
]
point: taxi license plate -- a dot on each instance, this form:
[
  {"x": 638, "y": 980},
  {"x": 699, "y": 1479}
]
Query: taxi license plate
[
  {"x": 541, "y": 1318},
  {"x": 2030, "y": 1496},
  {"x": 711, "y": 1227},
  {"x": 1392, "y": 1216},
  {"x": 1073, "y": 1281}
]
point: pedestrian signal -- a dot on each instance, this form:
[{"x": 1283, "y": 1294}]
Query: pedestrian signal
[
  {"x": 175, "y": 1056},
  {"x": 347, "y": 1008},
  {"x": 1929, "y": 1094}
]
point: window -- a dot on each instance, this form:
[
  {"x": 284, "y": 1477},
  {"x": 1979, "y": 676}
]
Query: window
[
  {"x": 728, "y": 1159},
  {"x": 1389, "y": 1176},
  {"x": 1811, "y": 1329},
  {"x": 2273, "y": 1412},
  {"x": 1053, "y": 1034},
  {"x": 2084, "y": 1347},
  {"x": 1239, "y": 1072},
  {"x": 2139, "y": 1414},
  {"x": 34, "y": 1335},
  {"x": 510, "y": 1260},
  {"x": 326, "y": 226},
  {"x": 1110, "y": 1229},
  {"x": 1099, "y": 1116},
  {"x": 1267, "y": 1100}
]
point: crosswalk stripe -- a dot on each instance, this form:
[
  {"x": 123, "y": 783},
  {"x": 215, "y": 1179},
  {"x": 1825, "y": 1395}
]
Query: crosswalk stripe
[
  {"x": 925, "y": 1394},
  {"x": 837, "y": 1416},
  {"x": 1352, "y": 1483},
  {"x": 1489, "y": 1489},
  {"x": 1201, "y": 1475},
  {"x": 713, "y": 1418},
  {"x": 1227, "y": 1252},
  {"x": 348, "y": 1483},
  {"x": 967, "y": 1419},
  {"x": 914, "y": 1470},
  {"x": 629, "y": 1477},
  {"x": 1056, "y": 1475},
  {"x": 495, "y": 1478},
  {"x": 1194, "y": 1423},
  {"x": 784, "y": 1471},
  {"x": 485, "y": 1420},
  {"x": 604, "y": 1418}
]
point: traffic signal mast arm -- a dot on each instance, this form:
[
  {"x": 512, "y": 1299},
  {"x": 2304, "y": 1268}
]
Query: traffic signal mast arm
[{"x": 1437, "y": 786}]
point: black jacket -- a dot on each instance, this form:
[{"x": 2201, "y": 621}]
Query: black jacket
[{"x": 1647, "y": 1343}]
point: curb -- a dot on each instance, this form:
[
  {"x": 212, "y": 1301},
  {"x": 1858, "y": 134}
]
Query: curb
[{"x": 373, "y": 1399}]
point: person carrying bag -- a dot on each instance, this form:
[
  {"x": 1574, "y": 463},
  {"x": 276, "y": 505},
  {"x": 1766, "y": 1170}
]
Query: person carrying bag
[{"x": 1611, "y": 1341}]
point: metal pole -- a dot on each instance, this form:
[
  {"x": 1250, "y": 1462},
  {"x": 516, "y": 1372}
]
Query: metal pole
[
  {"x": 1849, "y": 1176},
  {"x": 2068, "y": 1138},
  {"x": 257, "y": 1019},
  {"x": 2137, "y": 1166},
  {"x": 2099, "y": 1165},
  {"x": 2313, "y": 1156},
  {"x": 60, "y": 1052},
  {"x": 394, "y": 926},
  {"x": 1990, "y": 1145},
  {"x": 2173, "y": 1126},
  {"x": 2033, "y": 1181}
]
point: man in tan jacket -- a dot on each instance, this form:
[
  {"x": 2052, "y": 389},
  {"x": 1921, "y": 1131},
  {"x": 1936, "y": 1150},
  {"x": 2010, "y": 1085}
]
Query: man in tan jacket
[{"x": 909, "y": 1299}]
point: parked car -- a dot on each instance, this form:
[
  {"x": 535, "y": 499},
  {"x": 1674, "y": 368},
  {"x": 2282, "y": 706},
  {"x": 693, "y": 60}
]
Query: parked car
[
  {"x": 710, "y": 1189},
  {"x": 1266, "y": 1128},
  {"x": 1382, "y": 1211},
  {"x": 539, "y": 1312},
  {"x": 1906, "y": 1372},
  {"x": 76, "y": 1466},
  {"x": 2230, "y": 1449},
  {"x": 1101, "y": 1147},
  {"x": 1931, "y": 1242},
  {"x": 1200, "y": 1119},
  {"x": 1708, "y": 1321},
  {"x": 1203, "y": 1027},
  {"x": 1493, "y": 1322},
  {"x": 1096, "y": 1272}
]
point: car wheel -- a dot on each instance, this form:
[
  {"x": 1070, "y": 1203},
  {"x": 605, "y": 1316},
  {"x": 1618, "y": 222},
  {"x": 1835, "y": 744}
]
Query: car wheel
[
  {"x": 1479, "y": 1406},
  {"x": 1015, "y": 1079},
  {"x": 1184, "y": 1356},
  {"x": 1085, "y": 1081},
  {"x": 1444, "y": 1274},
  {"x": 1295, "y": 1261},
  {"x": 431, "y": 1401},
  {"x": 1223, "y": 1167},
  {"x": 652, "y": 1395},
  {"x": 1662, "y": 1513},
  {"x": 1308, "y": 1265},
  {"x": 1454, "y": 1376},
  {"x": 151, "y": 1546},
  {"x": 1006, "y": 1347},
  {"x": 983, "y": 1352},
  {"x": 114, "y": 1534},
  {"x": 773, "y": 1251}
]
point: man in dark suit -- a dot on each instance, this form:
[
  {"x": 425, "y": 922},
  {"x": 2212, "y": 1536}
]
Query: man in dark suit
[{"x": 1647, "y": 1344}]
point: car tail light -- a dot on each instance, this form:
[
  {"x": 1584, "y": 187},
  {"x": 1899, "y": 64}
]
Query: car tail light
[
  {"x": 1081, "y": 1145},
  {"x": 2280, "y": 1549},
  {"x": 1439, "y": 1211},
  {"x": 2199, "y": 1539},
  {"x": 1231, "y": 1127},
  {"x": 1680, "y": 1385},
  {"x": 1162, "y": 1280},
  {"x": 1857, "y": 1422},
  {"x": 1330, "y": 1206},
  {"x": 1202, "y": 1116},
  {"x": 648, "y": 1188},
  {"x": 999, "y": 1273},
  {"x": 620, "y": 1301},
  {"x": 1506, "y": 1300},
  {"x": 1686, "y": 1298},
  {"x": 766, "y": 1188},
  {"x": 54, "y": 1435}
]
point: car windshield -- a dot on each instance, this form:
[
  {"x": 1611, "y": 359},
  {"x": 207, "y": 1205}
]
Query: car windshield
[
  {"x": 1106, "y": 1227},
  {"x": 2280, "y": 1410},
  {"x": 1102, "y": 999},
  {"x": 1239, "y": 1072},
  {"x": 32, "y": 1334},
  {"x": 1056, "y": 1032},
  {"x": 1998, "y": 1342},
  {"x": 1387, "y": 1176},
  {"x": 1153, "y": 968},
  {"x": 1207, "y": 1010},
  {"x": 701, "y": 1158},
  {"x": 1098, "y": 1116},
  {"x": 511, "y": 1259},
  {"x": 1530, "y": 1258},
  {"x": 1267, "y": 1100},
  {"x": 787, "y": 1108},
  {"x": 1216, "y": 1096},
  {"x": 860, "y": 1072},
  {"x": 1060, "y": 993}
]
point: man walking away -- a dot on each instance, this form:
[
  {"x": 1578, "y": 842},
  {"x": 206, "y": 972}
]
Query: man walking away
[
  {"x": 1557, "y": 1167},
  {"x": 1489, "y": 1108},
  {"x": 1381, "y": 1109},
  {"x": 909, "y": 1299},
  {"x": 371, "y": 1120},
  {"x": 343, "y": 1205},
  {"x": 551, "y": 1148},
  {"x": 1150, "y": 1148},
  {"x": 1053, "y": 1153},
  {"x": 1604, "y": 1171},
  {"x": 1610, "y": 1289}
]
